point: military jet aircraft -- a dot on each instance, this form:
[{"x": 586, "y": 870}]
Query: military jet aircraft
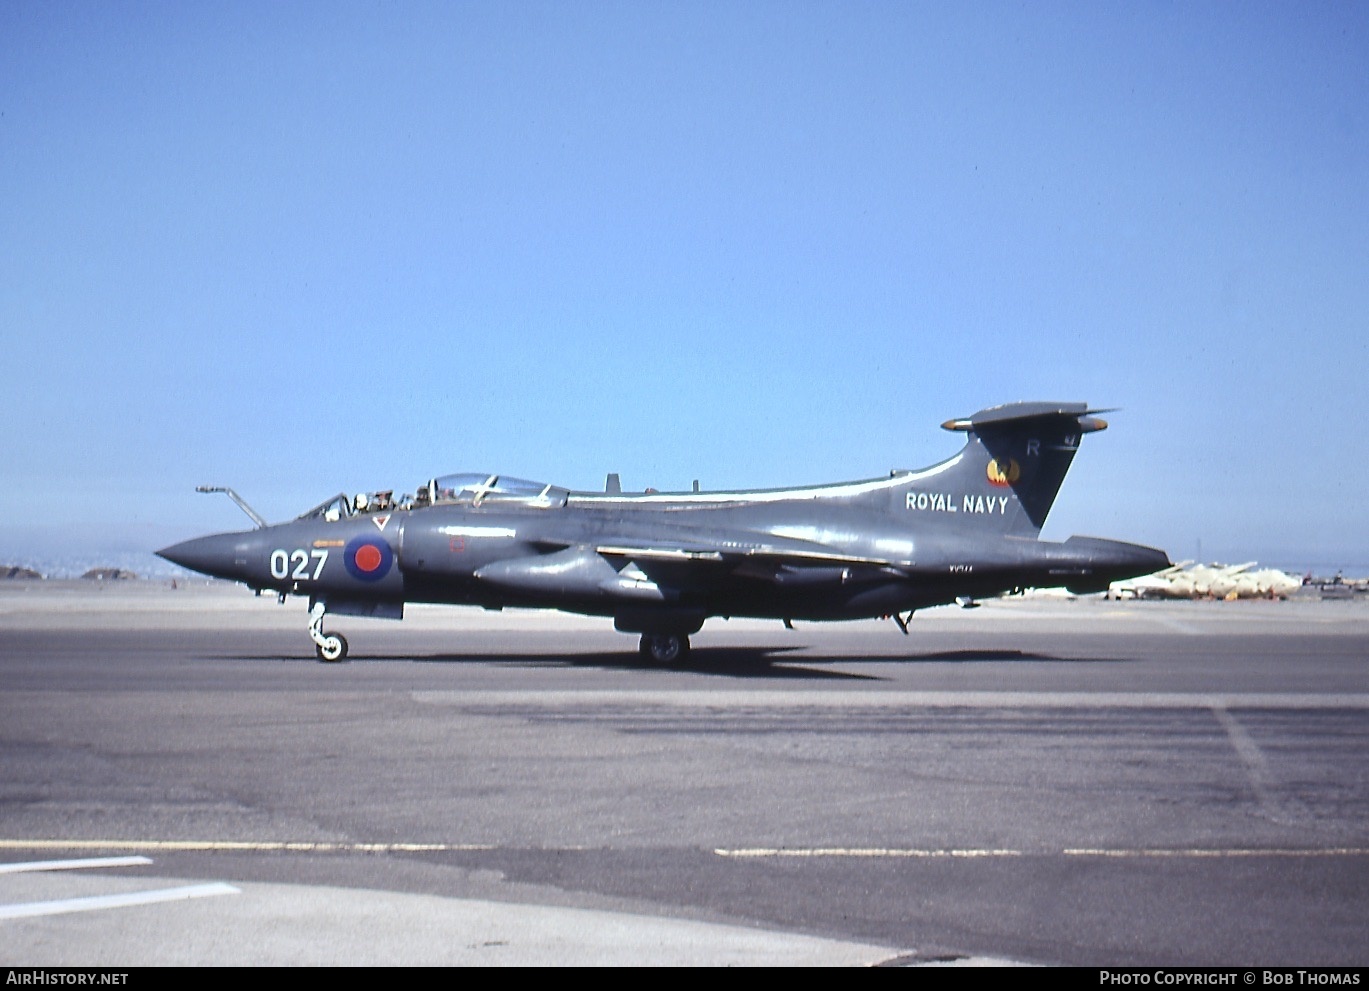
[{"x": 661, "y": 563}]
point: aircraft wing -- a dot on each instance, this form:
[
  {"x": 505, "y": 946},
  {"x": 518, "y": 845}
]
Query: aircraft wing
[
  {"x": 657, "y": 569},
  {"x": 687, "y": 560},
  {"x": 680, "y": 565},
  {"x": 783, "y": 555}
]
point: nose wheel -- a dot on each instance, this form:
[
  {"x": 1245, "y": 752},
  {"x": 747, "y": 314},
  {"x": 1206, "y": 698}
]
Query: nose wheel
[
  {"x": 329, "y": 647},
  {"x": 665, "y": 648},
  {"x": 333, "y": 648}
]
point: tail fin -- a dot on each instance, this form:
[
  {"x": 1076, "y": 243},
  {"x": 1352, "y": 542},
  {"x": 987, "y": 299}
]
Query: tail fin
[{"x": 1011, "y": 467}]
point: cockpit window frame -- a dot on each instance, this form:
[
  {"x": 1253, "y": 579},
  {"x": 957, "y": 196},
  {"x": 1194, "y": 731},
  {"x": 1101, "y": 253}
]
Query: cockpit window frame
[{"x": 341, "y": 503}]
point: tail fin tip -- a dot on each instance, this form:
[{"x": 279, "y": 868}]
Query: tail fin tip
[{"x": 1013, "y": 414}]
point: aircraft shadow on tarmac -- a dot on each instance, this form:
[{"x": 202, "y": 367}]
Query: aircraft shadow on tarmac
[
  {"x": 990, "y": 657},
  {"x": 731, "y": 662}
]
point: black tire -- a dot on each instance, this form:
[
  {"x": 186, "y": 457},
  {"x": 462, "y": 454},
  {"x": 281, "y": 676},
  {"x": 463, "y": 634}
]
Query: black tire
[
  {"x": 666, "y": 649},
  {"x": 335, "y": 651}
]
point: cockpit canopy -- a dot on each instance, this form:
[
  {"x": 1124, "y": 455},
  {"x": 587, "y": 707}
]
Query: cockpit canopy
[
  {"x": 469, "y": 488},
  {"x": 478, "y": 486}
]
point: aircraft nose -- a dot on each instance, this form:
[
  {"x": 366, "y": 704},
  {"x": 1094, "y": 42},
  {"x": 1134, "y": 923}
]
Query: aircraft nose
[{"x": 208, "y": 555}]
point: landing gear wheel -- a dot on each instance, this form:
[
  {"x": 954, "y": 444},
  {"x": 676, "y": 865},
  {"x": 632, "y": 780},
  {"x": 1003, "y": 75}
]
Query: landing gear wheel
[
  {"x": 333, "y": 648},
  {"x": 665, "y": 648}
]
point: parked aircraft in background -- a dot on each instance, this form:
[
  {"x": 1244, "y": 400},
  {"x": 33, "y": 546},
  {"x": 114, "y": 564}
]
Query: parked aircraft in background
[
  {"x": 1208, "y": 581},
  {"x": 1203, "y": 580},
  {"x": 1156, "y": 585},
  {"x": 1266, "y": 583},
  {"x": 660, "y": 564}
]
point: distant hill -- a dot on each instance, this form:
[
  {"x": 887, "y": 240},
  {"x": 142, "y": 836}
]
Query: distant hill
[
  {"x": 109, "y": 574},
  {"x": 13, "y": 571}
]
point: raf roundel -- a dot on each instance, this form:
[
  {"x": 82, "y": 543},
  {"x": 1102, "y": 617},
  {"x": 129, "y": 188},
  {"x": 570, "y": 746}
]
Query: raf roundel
[{"x": 368, "y": 558}]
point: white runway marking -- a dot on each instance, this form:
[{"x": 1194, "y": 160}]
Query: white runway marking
[
  {"x": 73, "y": 865},
  {"x": 857, "y": 852},
  {"x": 861, "y": 698},
  {"x": 98, "y": 902},
  {"x": 970, "y": 854},
  {"x": 249, "y": 846},
  {"x": 963, "y": 853},
  {"x": 1348, "y": 851},
  {"x": 1256, "y": 767}
]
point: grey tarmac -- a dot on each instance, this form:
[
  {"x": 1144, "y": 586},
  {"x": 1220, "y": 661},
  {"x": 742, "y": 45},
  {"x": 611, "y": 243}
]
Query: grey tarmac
[{"x": 1042, "y": 781}]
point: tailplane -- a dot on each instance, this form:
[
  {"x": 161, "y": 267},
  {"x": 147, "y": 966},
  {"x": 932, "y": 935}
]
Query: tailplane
[{"x": 1011, "y": 468}]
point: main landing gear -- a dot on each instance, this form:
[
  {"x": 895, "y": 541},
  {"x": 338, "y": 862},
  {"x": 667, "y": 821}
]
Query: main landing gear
[
  {"x": 329, "y": 646},
  {"x": 664, "y": 648}
]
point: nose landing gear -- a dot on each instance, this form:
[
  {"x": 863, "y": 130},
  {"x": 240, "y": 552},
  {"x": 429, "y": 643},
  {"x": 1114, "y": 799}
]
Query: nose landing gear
[{"x": 329, "y": 646}]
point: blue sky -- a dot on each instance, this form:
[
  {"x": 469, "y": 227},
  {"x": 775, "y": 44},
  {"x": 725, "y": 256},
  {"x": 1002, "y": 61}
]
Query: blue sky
[{"x": 301, "y": 248}]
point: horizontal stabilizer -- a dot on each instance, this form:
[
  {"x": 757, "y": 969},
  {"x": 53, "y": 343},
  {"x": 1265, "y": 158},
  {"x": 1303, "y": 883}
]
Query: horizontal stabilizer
[{"x": 1018, "y": 414}]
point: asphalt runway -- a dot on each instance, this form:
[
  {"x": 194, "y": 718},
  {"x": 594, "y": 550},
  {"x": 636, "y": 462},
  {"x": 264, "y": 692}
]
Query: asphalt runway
[{"x": 1043, "y": 782}]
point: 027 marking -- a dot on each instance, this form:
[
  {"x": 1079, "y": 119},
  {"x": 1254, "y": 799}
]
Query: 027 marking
[{"x": 281, "y": 561}]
